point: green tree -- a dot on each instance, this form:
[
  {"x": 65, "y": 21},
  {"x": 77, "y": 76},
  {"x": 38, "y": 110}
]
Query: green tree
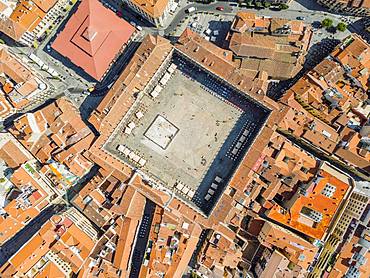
[
  {"x": 283, "y": 6},
  {"x": 327, "y": 22},
  {"x": 266, "y": 4},
  {"x": 194, "y": 275},
  {"x": 259, "y": 5},
  {"x": 341, "y": 26}
]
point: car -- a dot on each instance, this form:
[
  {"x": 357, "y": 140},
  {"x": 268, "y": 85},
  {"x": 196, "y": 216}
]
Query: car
[
  {"x": 220, "y": 8},
  {"x": 316, "y": 24},
  {"x": 191, "y": 9},
  {"x": 301, "y": 18}
]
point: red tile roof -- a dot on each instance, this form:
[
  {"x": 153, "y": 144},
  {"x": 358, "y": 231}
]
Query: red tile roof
[{"x": 93, "y": 37}]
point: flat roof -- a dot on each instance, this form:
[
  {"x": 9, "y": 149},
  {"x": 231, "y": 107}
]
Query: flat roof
[{"x": 92, "y": 38}]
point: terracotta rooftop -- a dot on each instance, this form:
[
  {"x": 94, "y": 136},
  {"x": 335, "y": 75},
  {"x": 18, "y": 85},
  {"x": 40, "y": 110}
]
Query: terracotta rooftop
[
  {"x": 6, "y": 109},
  {"x": 20, "y": 81},
  {"x": 145, "y": 62},
  {"x": 50, "y": 270},
  {"x": 220, "y": 62},
  {"x": 64, "y": 239},
  {"x": 23, "y": 208},
  {"x": 45, "y": 5},
  {"x": 311, "y": 213},
  {"x": 300, "y": 251},
  {"x": 11, "y": 28},
  {"x": 11, "y": 152},
  {"x": 330, "y": 98},
  {"x": 154, "y": 8},
  {"x": 93, "y": 37},
  {"x": 274, "y": 45},
  {"x": 27, "y": 14},
  {"x": 56, "y": 132}
]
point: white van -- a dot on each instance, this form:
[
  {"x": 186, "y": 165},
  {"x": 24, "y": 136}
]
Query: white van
[{"x": 191, "y": 9}]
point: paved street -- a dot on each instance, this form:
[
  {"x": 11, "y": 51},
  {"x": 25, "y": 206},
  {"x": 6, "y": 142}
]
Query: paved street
[
  {"x": 9, "y": 248},
  {"x": 182, "y": 19},
  {"x": 142, "y": 237}
]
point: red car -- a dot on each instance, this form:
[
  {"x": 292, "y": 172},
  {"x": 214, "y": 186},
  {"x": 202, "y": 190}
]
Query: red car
[{"x": 220, "y": 8}]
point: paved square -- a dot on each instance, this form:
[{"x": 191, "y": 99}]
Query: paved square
[
  {"x": 161, "y": 132},
  {"x": 181, "y": 132},
  {"x": 189, "y": 136}
]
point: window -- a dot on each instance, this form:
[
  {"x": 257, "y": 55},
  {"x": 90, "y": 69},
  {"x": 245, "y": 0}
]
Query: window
[
  {"x": 312, "y": 214},
  {"x": 304, "y": 170},
  {"x": 328, "y": 190}
]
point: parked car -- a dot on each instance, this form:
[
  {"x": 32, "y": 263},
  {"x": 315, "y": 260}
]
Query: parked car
[
  {"x": 191, "y": 9},
  {"x": 220, "y": 8}
]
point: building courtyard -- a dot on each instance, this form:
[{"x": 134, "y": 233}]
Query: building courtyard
[{"x": 188, "y": 133}]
